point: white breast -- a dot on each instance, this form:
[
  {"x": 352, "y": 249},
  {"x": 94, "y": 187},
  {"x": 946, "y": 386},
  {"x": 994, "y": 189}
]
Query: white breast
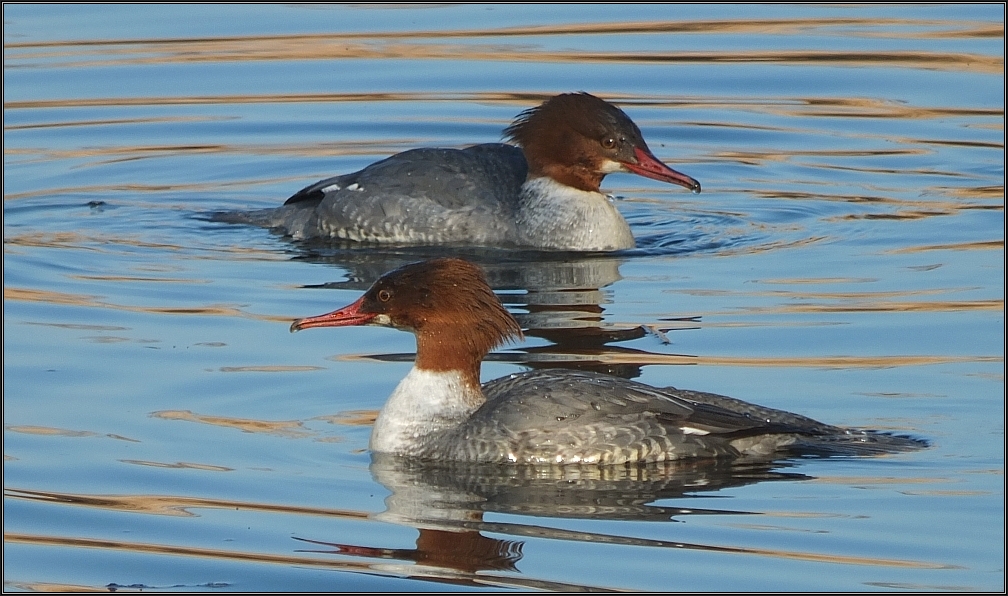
[
  {"x": 424, "y": 402},
  {"x": 556, "y": 216}
]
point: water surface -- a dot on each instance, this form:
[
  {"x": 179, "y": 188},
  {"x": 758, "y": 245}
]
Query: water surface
[{"x": 164, "y": 431}]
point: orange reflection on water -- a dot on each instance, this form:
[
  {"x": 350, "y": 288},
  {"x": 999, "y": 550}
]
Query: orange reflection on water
[
  {"x": 219, "y": 310},
  {"x": 172, "y": 504},
  {"x": 400, "y": 45},
  {"x": 797, "y": 361},
  {"x": 352, "y": 418},
  {"x": 989, "y": 245},
  {"x": 283, "y": 428},
  {"x": 180, "y": 465}
]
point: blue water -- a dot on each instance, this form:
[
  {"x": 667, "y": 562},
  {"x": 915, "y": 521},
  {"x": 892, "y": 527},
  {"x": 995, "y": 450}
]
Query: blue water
[{"x": 164, "y": 431}]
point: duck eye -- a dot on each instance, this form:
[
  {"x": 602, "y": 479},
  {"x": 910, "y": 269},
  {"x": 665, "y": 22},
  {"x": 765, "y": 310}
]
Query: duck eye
[
  {"x": 609, "y": 142},
  {"x": 384, "y": 295}
]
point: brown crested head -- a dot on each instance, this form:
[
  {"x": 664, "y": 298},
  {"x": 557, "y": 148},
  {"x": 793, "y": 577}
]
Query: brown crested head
[
  {"x": 577, "y": 138},
  {"x": 446, "y": 303},
  {"x": 443, "y": 293}
]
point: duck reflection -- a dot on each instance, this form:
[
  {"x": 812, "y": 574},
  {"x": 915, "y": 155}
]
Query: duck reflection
[
  {"x": 465, "y": 551},
  {"x": 563, "y": 296},
  {"x": 447, "y": 503}
]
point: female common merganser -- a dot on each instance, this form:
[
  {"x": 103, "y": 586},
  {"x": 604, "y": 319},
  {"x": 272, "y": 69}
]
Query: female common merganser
[
  {"x": 543, "y": 196},
  {"x": 440, "y": 411}
]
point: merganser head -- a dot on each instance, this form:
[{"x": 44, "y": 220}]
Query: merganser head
[
  {"x": 577, "y": 139},
  {"x": 446, "y": 303}
]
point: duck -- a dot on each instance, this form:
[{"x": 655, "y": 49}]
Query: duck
[
  {"x": 540, "y": 191},
  {"x": 441, "y": 412}
]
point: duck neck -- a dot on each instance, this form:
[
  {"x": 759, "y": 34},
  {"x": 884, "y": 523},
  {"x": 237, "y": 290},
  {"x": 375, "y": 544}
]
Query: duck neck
[
  {"x": 440, "y": 392},
  {"x": 555, "y": 216},
  {"x": 424, "y": 403}
]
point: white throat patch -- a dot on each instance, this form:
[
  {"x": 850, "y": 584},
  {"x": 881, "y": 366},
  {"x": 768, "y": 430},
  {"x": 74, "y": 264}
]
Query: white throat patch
[
  {"x": 424, "y": 402},
  {"x": 557, "y": 216}
]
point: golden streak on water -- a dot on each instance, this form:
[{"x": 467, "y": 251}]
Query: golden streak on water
[
  {"x": 351, "y": 418},
  {"x": 171, "y": 504},
  {"x": 62, "y": 432},
  {"x": 81, "y": 326},
  {"x": 396, "y": 45},
  {"x": 646, "y": 358},
  {"x": 819, "y": 280},
  {"x": 570, "y": 536},
  {"x": 942, "y": 206},
  {"x": 163, "y": 549},
  {"x": 134, "y": 279},
  {"x": 178, "y": 465},
  {"x": 990, "y": 245},
  {"x": 219, "y": 310},
  {"x": 846, "y": 27},
  {"x": 98, "y": 189},
  {"x": 875, "y": 480},
  {"x": 29, "y": 295},
  {"x": 283, "y": 428},
  {"x": 50, "y": 587},
  {"x": 50, "y": 431},
  {"x": 807, "y": 295},
  {"x": 123, "y": 153},
  {"x": 103, "y": 242},
  {"x": 812, "y": 361},
  {"x": 993, "y": 305},
  {"x": 113, "y": 121},
  {"x": 795, "y": 106},
  {"x": 949, "y": 493},
  {"x": 270, "y": 368}
]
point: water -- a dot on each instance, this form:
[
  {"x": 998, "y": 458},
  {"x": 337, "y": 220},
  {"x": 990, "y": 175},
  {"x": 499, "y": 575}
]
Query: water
[{"x": 164, "y": 431}]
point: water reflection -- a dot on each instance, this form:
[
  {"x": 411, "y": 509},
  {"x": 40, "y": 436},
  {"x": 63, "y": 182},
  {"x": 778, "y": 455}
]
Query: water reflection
[
  {"x": 451, "y": 495},
  {"x": 447, "y": 503},
  {"x": 563, "y": 297},
  {"x": 850, "y": 253},
  {"x": 496, "y": 44}
]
